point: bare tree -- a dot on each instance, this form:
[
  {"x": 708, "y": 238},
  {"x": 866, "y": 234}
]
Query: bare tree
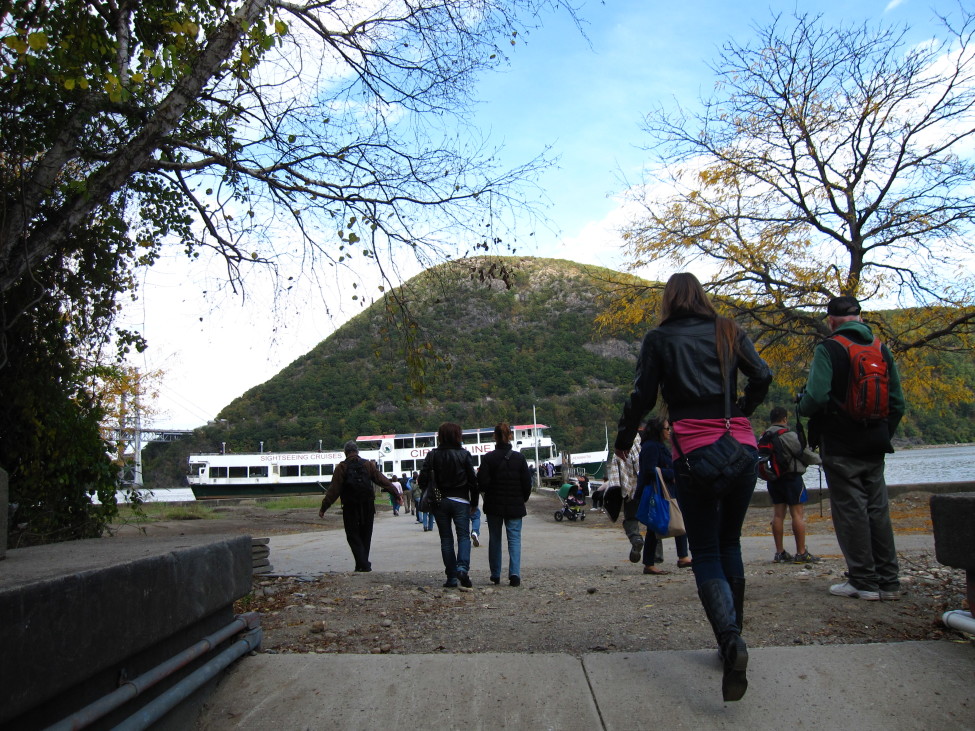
[
  {"x": 830, "y": 161},
  {"x": 229, "y": 123}
]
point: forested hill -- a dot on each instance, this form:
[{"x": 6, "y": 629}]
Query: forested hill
[
  {"x": 493, "y": 344},
  {"x": 495, "y": 337}
]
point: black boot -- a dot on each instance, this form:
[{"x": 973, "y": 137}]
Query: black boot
[
  {"x": 737, "y": 584},
  {"x": 719, "y": 605}
]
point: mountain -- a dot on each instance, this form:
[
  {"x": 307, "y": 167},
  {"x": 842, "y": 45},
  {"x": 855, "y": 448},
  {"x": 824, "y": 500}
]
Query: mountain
[
  {"x": 492, "y": 338},
  {"x": 476, "y": 341}
]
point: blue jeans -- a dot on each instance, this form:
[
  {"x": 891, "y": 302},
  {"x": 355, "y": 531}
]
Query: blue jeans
[
  {"x": 512, "y": 527},
  {"x": 476, "y": 521},
  {"x": 714, "y": 524},
  {"x": 454, "y": 516},
  {"x": 426, "y": 519}
]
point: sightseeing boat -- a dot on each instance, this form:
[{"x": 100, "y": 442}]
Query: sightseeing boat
[{"x": 260, "y": 474}]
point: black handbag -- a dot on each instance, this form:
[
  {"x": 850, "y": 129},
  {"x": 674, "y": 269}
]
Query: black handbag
[
  {"x": 719, "y": 463},
  {"x": 431, "y": 498},
  {"x": 716, "y": 465}
]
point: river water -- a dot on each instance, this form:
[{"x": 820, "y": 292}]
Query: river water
[
  {"x": 919, "y": 465},
  {"x": 904, "y": 467}
]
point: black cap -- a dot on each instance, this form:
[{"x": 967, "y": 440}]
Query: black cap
[{"x": 843, "y": 307}]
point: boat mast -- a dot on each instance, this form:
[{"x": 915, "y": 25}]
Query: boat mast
[{"x": 538, "y": 474}]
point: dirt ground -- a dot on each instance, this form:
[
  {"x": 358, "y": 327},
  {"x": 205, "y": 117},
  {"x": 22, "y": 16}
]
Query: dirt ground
[{"x": 616, "y": 610}]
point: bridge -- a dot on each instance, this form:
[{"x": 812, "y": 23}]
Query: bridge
[{"x": 131, "y": 439}]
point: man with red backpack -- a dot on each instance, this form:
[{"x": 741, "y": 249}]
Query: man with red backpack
[{"x": 853, "y": 396}]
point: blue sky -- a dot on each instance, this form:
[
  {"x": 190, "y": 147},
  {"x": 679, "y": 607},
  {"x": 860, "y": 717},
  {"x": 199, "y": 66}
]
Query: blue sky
[{"x": 584, "y": 99}]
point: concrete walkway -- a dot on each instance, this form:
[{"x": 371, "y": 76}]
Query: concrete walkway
[{"x": 912, "y": 685}]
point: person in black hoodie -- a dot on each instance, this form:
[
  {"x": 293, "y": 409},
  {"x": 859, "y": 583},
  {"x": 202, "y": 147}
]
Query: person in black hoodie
[
  {"x": 451, "y": 468},
  {"x": 506, "y": 483}
]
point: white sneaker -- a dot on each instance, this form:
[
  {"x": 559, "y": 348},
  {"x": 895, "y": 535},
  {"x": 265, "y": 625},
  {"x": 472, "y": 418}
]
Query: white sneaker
[
  {"x": 847, "y": 589},
  {"x": 475, "y": 540}
]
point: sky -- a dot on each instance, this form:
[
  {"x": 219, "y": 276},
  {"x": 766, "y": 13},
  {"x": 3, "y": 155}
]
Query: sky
[{"x": 584, "y": 97}]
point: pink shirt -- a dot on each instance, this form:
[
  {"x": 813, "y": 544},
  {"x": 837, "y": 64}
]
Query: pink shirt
[{"x": 695, "y": 433}]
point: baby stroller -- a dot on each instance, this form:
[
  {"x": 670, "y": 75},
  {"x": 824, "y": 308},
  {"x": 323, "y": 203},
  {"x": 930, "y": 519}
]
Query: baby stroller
[{"x": 573, "y": 503}]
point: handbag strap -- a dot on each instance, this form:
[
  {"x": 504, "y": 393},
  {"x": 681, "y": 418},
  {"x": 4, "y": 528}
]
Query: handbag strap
[
  {"x": 726, "y": 392},
  {"x": 663, "y": 484}
]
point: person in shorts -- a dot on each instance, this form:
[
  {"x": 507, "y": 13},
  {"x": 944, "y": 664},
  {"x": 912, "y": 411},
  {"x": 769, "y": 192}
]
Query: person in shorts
[{"x": 789, "y": 492}]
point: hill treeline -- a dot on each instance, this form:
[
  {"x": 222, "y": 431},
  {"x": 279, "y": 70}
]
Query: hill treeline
[{"x": 490, "y": 340}]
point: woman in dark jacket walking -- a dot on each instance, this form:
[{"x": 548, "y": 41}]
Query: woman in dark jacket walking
[
  {"x": 506, "y": 483},
  {"x": 452, "y": 469},
  {"x": 653, "y": 454},
  {"x": 693, "y": 358}
]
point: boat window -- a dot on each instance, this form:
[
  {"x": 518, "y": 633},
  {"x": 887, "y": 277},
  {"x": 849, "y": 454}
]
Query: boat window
[
  {"x": 469, "y": 438},
  {"x": 218, "y": 472},
  {"x": 369, "y": 444},
  {"x": 408, "y": 465},
  {"x": 387, "y": 467},
  {"x": 289, "y": 470},
  {"x": 426, "y": 441},
  {"x": 197, "y": 468},
  {"x": 260, "y": 471},
  {"x": 328, "y": 469},
  {"x": 237, "y": 472},
  {"x": 310, "y": 470},
  {"x": 403, "y": 443}
]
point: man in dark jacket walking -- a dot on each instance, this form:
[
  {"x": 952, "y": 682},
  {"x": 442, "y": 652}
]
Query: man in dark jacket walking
[
  {"x": 506, "y": 484},
  {"x": 853, "y": 456},
  {"x": 358, "y": 507}
]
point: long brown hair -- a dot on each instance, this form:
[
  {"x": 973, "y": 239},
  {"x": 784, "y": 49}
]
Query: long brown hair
[
  {"x": 502, "y": 433},
  {"x": 683, "y": 294}
]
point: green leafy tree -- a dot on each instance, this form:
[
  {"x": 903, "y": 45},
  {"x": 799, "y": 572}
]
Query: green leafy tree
[
  {"x": 291, "y": 135},
  {"x": 829, "y": 161}
]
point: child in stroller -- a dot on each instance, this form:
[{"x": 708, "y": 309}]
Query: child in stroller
[{"x": 573, "y": 501}]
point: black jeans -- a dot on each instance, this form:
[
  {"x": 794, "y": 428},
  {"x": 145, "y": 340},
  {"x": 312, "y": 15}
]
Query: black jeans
[
  {"x": 358, "y": 521},
  {"x": 714, "y": 524}
]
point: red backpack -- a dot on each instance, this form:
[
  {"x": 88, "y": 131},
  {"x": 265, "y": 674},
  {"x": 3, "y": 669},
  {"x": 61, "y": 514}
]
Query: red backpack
[
  {"x": 772, "y": 455},
  {"x": 868, "y": 389}
]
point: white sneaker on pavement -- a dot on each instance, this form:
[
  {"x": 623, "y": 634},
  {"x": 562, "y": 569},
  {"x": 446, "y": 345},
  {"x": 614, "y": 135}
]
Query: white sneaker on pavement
[{"x": 847, "y": 589}]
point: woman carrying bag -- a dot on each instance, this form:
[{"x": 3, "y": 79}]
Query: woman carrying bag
[
  {"x": 655, "y": 454},
  {"x": 451, "y": 467},
  {"x": 692, "y": 359}
]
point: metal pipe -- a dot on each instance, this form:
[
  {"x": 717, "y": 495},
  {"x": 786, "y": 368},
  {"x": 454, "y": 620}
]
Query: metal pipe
[
  {"x": 957, "y": 619},
  {"x": 152, "y": 712},
  {"x": 130, "y": 689}
]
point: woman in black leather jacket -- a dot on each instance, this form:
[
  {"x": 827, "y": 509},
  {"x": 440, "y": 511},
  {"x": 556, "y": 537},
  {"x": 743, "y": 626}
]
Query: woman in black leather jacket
[
  {"x": 691, "y": 358},
  {"x": 452, "y": 468}
]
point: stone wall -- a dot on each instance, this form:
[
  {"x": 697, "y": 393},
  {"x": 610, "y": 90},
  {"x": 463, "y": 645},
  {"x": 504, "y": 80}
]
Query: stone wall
[{"x": 77, "y": 617}]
